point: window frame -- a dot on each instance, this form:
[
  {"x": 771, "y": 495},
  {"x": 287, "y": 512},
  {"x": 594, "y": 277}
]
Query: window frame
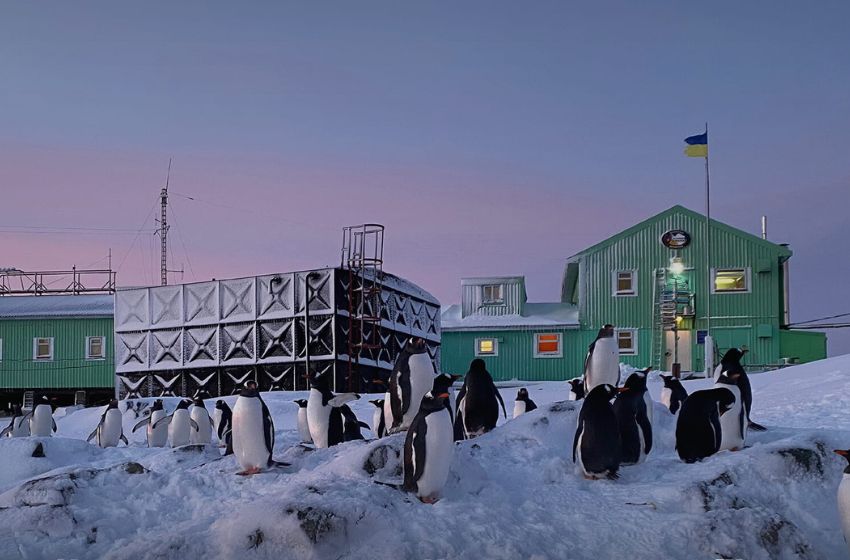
[
  {"x": 479, "y": 354},
  {"x": 747, "y": 280},
  {"x": 490, "y": 300},
  {"x": 35, "y": 357},
  {"x": 89, "y": 355},
  {"x": 557, "y": 354},
  {"x": 634, "y": 336},
  {"x": 1, "y": 349},
  {"x": 615, "y": 277}
]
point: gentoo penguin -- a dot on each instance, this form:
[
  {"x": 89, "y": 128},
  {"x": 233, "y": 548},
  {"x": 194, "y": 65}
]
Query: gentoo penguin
[
  {"x": 351, "y": 425},
  {"x": 379, "y": 428},
  {"x": 201, "y": 416},
  {"x": 443, "y": 384},
  {"x": 698, "y": 428},
  {"x": 42, "y": 423},
  {"x": 110, "y": 429},
  {"x": 731, "y": 361},
  {"x": 523, "y": 403},
  {"x": 323, "y": 415},
  {"x": 303, "y": 425},
  {"x": 576, "y": 389},
  {"x": 650, "y": 404},
  {"x": 412, "y": 377},
  {"x": 477, "y": 403},
  {"x": 18, "y": 427},
  {"x": 673, "y": 394},
  {"x": 157, "y": 432},
  {"x": 633, "y": 419},
  {"x": 179, "y": 423},
  {"x": 844, "y": 497},
  {"x": 224, "y": 426},
  {"x": 602, "y": 364},
  {"x": 428, "y": 449},
  {"x": 253, "y": 432},
  {"x": 596, "y": 445},
  {"x": 733, "y": 425}
]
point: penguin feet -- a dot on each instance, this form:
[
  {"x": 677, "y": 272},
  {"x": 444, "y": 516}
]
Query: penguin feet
[
  {"x": 249, "y": 472},
  {"x": 429, "y": 500}
]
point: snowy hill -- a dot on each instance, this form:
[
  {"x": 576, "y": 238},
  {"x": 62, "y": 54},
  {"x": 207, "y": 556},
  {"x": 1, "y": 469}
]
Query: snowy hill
[{"x": 512, "y": 493}]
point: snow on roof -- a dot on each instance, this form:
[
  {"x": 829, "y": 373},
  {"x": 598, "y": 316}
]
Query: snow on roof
[
  {"x": 83, "y": 305},
  {"x": 534, "y": 315}
]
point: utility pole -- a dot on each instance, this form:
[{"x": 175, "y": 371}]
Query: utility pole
[{"x": 163, "y": 230}]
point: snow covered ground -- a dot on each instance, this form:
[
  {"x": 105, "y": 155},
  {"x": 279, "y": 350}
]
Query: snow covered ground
[{"x": 512, "y": 493}]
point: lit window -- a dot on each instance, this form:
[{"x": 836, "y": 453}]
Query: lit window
[
  {"x": 1, "y": 349},
  {"x": 627, "y": 342},
  {"x": 486, "y": 347},
  {"x": 42, "y": 349},
  {"x": 95, "y": 348},
  {"x": 625, "y": 283},
  {"x": 731, "y": 280},
  {"x": 492, "y": 293},
  {"x": 547, "y": 345}
]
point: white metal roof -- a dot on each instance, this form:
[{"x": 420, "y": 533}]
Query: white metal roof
[
  {"x": 82, "y": 305},
  {"x": 534, "y": 315}
]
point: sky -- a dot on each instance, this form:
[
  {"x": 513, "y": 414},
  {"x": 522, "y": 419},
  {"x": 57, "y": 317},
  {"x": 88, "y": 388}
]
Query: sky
[{"x": 490, "y": 138}]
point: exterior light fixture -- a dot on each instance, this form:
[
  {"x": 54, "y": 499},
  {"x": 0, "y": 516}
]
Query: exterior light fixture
[{"x": 677, "y": 267}]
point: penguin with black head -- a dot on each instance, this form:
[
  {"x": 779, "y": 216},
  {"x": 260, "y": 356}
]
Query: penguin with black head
[
  {"x": 731, "y": 361},
  {"x": 41, "y": 419},
  {"x": 156, "y": 432},
  {"x": 844, "y": 497},
  {"x": 477, "y": 403},
  {"x": 596, "y": 444},
  {"x": 379, "y": 427},
  {"x": 429, "y": 446},
  {"x": 412, "y": 377},
  {"x": 110, "y": 430},
  {"x": 698, "y": 427},
  {"x": 350, "y": 424},
  {"x": 303, "y": 424},
  {"x": 673, "y": 394},
  {"x": 201, "y": 416},
  {"x": 633, "y": 420},
  {"x": 602, "y": 363},
  {"x": 224, "y": 425},
  {"x": 734, "y": 423},
  {"x": 576, "y": 389},
  {"x": 323, "y": 415},
  {"x": 523, "y": 403},
  {"x": 253, "y": 432},
  {"x": 18, "y": 427}
]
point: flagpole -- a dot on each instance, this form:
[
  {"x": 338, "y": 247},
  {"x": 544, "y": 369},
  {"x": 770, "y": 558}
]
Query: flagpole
[{"x": 709, "y": 341}]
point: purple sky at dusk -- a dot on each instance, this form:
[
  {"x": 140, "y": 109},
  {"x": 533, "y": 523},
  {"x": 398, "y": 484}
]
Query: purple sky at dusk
[{"x": 489, "y": 137}]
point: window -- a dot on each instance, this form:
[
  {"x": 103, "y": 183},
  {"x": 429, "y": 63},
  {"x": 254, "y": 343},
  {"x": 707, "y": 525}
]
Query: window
[
  {"x": 627, "y": 342},
  {"x": 95, "y": 348},
  {"x": 1, "y": 349},
  {"x": 625, "y": 283},
  {"x": 547, "y": 345},
  {"x": 731, "y": 280},
  {"x": 42, "y": 349},
  {"x": 492, "y": 294},
  {"x": 486, "y": 347}
]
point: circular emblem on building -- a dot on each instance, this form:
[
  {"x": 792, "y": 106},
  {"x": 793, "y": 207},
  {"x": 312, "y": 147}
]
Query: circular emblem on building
[{"x": 676, "y": 239}]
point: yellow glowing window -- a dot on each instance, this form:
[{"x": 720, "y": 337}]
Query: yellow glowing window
[
  {"x": 547, "y": 344},
  {"x": 486, "y": 347},
  {"x": 730, "y": 280},
  {"x": 626, "y": 342}
]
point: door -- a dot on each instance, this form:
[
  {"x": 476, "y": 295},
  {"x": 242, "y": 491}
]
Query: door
[{"x": 684, "y": 349}]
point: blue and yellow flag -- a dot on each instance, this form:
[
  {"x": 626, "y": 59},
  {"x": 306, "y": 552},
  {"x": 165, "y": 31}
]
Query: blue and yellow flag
[{"x": 697, "y": 146}]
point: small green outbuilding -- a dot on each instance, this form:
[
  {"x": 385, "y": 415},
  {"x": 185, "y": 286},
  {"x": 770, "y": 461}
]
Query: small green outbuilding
[{"x": 655, "y": 284}]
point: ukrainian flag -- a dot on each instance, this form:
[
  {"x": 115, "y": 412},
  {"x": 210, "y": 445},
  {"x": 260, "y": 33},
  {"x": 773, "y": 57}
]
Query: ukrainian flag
[{"x": 697, "y": 146}]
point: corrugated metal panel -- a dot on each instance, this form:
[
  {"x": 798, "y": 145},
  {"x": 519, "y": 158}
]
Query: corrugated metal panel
[
  {"x": 69, "y": 367},
  {"x": 83, "y": 305},
  {"x": 513, "y": 291}
]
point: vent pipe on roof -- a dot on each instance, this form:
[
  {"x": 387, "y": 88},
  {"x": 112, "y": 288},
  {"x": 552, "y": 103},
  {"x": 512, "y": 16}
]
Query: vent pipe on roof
[{"x": 764, "y": 227}]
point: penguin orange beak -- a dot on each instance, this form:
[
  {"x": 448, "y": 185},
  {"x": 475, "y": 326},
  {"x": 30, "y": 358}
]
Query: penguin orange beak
[
  {"x": 842, "y": 452},
  {"x": 443, "y": 396}
]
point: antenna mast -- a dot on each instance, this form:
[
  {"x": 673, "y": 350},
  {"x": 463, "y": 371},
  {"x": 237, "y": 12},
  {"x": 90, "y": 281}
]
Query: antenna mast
[{"x": 163, "y": 230}]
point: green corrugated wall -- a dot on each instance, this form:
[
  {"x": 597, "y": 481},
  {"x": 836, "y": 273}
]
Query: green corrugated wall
[{"x": 69, "y": 368}]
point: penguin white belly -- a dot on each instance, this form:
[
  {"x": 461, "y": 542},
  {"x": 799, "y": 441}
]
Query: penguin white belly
[
  {"x": 304, "y": 426},
  {"x": 41, "y": 421},
  {"x": 249, "y": 439},
  {"x": 844, "y": 507},
  {"x": 732, "y": 436},
  {"x": 204, "y": 432},
  {"x": 318, "y": 419},
  {"x": 439, "y": 446},
  {"x": 421, "y": 381},
  {"x": 604, "y": 366},
  {"x": 650, "y": 406},
  {"x": 111, "y": 429},
  {"x": 388, "y": 412},
  {"x": 376, "y": 420},
  {"x": 666, "y": 397},
  {"x": 578, "y": 456},
  {"x": 519, "y": 408},
  {"x": 642, "y": 439},
  {"x": 157, "y": 437},
  {"x": 179, "y": 428},
  {"x": 21, "y": 428}
]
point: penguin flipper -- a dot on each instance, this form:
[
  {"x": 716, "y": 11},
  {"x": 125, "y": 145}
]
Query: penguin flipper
[
  {"x": 499, "y": 396},
  {"x": 414, "y": 454},
  {"x": 363, "y": 425},
  {"x": 268, "y": 424},
  {"x": 164, "y": 420},
  {"x": 756, "y": 427},
  {"x": 7, "y": 430},
  {"x": 343, "y": 398},
  {"x": 140, "y": 424},
  {"x": 530, "y": 405},
  {"x": 94, "y": 433},
  {"x": 579, "y": 430},
  {"x": 194, "y": 425},
  {"x": 124, "y": 439},
  {"x": 55, "y": 429}
]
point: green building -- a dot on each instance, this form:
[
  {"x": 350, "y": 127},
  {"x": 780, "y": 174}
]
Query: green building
[
  {"x": 652, "y": 282},
  {"x": 61, "y": 345}
]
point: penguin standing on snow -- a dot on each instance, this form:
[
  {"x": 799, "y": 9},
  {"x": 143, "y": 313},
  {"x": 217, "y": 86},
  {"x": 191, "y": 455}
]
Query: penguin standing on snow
[
  {"x": 428, "y": 448},
  {"x": 698, "y": 428},
  {"x": 17, "y": 427},
  {"x": 110, "y": 429},
  {"x": 650, "y": 404},
  {"x": 412, "y": 377},
  {"x": 443, "y": 384},
  {"x": 179, "y": 423},
  {"x": 731, "y": 361},
  {"x": 477, "y": 403},
  {"x": 224, "y": 425},
  {"x": 350, "y": 424},
  {"x": 253, "y": 432},
  {"x": 379, "y": 427},
  {"x": 633, "y": 420},
  {"x": 673, "y": 394},
  {"x": 201, "y": 416},
  {"x": 596, "y": 445},
  {"x": 576, "y": 389},
  {"x": 42, "y": 423},
  {"x": 844, "y": 497},
  {"x": 157, "y": 432},
  {"x": 303, "y": 425},
  {"x": 323, "y": 415},
  {"x": 602, "y": 363},
  {"x": 523, "y": 403},
  {"x": 734, "y": 423}
]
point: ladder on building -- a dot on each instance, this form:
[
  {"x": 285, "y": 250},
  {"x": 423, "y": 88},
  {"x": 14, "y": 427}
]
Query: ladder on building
[
  {"x": 671, "y": 298},
  {"x": 29, "y": 397}
]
